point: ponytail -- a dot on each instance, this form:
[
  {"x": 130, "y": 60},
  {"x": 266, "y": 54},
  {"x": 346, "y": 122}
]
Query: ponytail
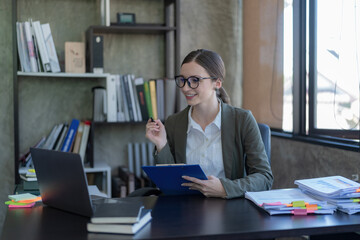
[{"x": 222, "y": 94}]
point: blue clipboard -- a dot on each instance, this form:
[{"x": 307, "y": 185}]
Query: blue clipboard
[{"x": 169, "y": 178}]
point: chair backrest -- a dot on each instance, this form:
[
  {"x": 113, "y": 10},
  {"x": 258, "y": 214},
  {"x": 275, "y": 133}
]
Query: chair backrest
[{"x": 266, "y": 137}]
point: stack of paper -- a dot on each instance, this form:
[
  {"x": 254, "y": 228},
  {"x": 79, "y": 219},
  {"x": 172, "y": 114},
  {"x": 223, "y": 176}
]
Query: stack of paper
[
  {"x": 25, "y": 200},
  {"x": 289, "y": 201},
  {"x": 337, "y": 190}
]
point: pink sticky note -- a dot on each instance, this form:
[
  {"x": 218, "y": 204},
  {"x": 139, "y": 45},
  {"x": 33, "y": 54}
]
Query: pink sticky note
[
  {"x": 299, "y": 212},
  {"x": 22, "y": 206},
  {"x": 273, "y": 204}
]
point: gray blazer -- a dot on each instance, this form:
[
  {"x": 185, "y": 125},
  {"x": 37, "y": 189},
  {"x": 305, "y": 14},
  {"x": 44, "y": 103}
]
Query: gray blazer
[{"x": 240, "y": 135}]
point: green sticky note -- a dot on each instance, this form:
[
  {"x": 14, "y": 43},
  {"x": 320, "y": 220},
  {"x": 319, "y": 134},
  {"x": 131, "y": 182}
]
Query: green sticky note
[
  {"x": 298, "y": 204},
  {"x": 15, "y": 203}
]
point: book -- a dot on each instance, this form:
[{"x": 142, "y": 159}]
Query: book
[
  {"x": 78, "y": 137},
  {"x": 22, "y": 48},
  {"x": 139, "y": 86},
  {"x": 130, "y": 157},
  {"x": 118, "y": 211},
  {"x": 49, "y": 139},
  {"x": 136, "y": 100},
  {"x": 148, "y": 99},
  {"x": 168, "y": 178},
  {"x": 61, "y": 139},
  {"x": 99, "y": 104},
  {"x": 41, "y": 46},
  {"x": 125, "y": 228},
  {"x": 30, "y": 47},
  {"x": 125, "y": 83},
  {"x": 137, "y": 159},
  {"x": 111, "y": 98},
  {"x": 84, "y": 140},
  {"x": 50, "y": 46},
  {"x": 124, "y": 98},
  {"x": 160, "y": 101},
  {"x": 120, "y": 102},
  {"x": 74, "y": 57},
  {"x": 152, "y": 87},
  {"x": 144, "y": 156},
  {"x": 70, "y": 136}
]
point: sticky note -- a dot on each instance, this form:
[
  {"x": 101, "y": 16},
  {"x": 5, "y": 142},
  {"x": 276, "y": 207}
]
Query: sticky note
[
  {"x": 23, "y": 196},
  {"x": 299, "y": 212},
  {"x": 298, "y": 204}
]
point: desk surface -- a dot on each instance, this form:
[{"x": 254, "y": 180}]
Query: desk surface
[{"x": 179, "y": 218}]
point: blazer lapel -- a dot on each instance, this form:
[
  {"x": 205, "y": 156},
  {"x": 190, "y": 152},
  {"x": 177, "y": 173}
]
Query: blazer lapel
[
  {"x": 181, "y": 136},
  {"x": 227, "y": 137}
]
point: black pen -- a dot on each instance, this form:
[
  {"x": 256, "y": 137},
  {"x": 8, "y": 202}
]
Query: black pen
[{"x": 152, "y": 119}]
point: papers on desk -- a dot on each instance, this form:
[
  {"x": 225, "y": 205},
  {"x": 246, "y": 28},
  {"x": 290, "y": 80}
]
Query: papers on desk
[
  {"x": 337, "y": 190},
  {"x": 289, "y": 201},
  {"x": 314, "y": 196}
]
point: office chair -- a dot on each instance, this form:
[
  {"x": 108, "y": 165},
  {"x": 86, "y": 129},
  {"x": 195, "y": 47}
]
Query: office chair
[{"x": 266, "y": 138}]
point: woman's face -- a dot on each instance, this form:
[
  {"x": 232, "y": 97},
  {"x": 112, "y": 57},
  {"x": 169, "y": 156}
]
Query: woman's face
[{"x": 205, "y": 92}]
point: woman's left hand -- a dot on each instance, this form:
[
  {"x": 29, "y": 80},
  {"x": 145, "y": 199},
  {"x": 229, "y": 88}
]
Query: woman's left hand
[{"x": 210, "y": 188}]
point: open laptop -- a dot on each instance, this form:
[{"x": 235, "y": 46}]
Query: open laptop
[{"x": 62, "y": 181}]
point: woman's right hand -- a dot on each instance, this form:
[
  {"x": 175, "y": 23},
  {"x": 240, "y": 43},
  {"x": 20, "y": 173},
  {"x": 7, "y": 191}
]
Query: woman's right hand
[{"x": 156, "y": 133}]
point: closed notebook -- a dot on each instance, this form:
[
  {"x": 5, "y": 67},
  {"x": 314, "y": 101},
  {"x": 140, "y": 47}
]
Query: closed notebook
[
  {"x": 121, "y": 211},
  {"x": 124, "y": 228}
]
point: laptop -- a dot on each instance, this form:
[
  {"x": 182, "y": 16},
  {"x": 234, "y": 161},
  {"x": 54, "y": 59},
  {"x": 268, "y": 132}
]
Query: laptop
[{"x": 62, "y": 181}]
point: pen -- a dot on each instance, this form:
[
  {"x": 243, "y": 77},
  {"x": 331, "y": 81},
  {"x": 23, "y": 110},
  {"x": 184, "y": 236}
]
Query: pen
[{"x": 152, "y": 119}]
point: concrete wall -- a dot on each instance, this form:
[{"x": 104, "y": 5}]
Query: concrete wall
[{"x": 6, "y": 107}]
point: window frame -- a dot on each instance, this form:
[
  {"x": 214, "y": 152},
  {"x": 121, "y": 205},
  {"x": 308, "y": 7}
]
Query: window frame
[{"x": 328, "y": 137}]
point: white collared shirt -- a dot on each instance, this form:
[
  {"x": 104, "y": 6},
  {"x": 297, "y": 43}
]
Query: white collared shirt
[{"x": 204, "y": 147}]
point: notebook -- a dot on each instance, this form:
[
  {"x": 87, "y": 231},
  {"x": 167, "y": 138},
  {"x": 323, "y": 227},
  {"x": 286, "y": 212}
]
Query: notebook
[{"x": 62, "y": 181}]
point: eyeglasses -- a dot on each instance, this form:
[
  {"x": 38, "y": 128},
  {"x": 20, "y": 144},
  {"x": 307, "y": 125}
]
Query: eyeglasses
[{"x": 192, "y": 81}]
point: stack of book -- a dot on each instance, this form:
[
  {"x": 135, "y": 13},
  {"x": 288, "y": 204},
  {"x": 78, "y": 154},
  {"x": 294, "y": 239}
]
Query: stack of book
[
  {"x": 337, "y": 190},
  {"x": 123, "y": 216},
  {"x": 36, "y": 47},
  {"x": 289, "y": 201},
  {"x": 130, "y": 99}
]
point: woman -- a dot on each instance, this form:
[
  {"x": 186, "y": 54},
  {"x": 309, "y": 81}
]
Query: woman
[{"x": 211, "y": 133}]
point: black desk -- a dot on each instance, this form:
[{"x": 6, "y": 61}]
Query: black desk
[{"x": 192, "y": 217}]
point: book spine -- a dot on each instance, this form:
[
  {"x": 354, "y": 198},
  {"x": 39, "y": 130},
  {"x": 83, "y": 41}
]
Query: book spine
[
  {"x": 139, "y": 83},
  {"x": 84, "y": 140},
  {"x": 132, "y": 99},
  {"x": 79, "y": 135},
  {"x": 111, "y": 98},
  {"x": 128, "y": 98},
  {"x": 41, "y": 46},
  {"x": 148, "y": 99},
  {"x": 152, "y": 86},
  {"x": 30, "y": 47},
  {"x": 69, "y": 139},
  {"x": 50, "y": 46}
]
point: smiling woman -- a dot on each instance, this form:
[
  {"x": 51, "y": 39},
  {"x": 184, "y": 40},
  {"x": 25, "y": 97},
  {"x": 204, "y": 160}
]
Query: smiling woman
[{"x": 211, "y": 133}]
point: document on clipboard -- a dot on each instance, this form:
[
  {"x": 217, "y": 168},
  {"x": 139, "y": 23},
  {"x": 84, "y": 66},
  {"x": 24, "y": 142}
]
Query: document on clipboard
[{"x": 168, "y": 178}]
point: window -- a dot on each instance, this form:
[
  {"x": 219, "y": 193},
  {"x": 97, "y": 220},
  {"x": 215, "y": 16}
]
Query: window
[{"x": 322, "y": 70}]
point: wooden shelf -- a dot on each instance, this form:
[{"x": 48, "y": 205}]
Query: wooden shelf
[
  {"x": 64, "y": 75},
  {"x": 136, "y": 28}
]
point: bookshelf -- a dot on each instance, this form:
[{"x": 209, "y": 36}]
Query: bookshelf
[{"x": 165, "y": 36}]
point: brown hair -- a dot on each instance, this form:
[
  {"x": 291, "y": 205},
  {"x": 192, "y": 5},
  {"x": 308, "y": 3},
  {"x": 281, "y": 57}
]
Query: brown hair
[{"x": 214, "y": 66}]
